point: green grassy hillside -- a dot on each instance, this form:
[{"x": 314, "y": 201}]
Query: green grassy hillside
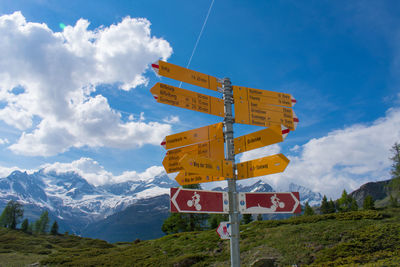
[{"x": 362, "y": 238}]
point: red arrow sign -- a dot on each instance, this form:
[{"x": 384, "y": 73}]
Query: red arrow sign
[
  {"x": 262, "y": 203},
  {"x": 198, "y": 201}
]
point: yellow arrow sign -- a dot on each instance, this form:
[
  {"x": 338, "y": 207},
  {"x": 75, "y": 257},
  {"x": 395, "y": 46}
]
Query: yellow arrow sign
[
  {"x": 260, "y": 114},
  {"x": 185, "y": 178},
  {"x": 263, "y": 96},
  {"x": 213, "y": 149},
  {"x": 182, "y": 98},
  {"x": 263, "y": 166},
  {"x": 265, "y": 137},
  {"x": 223, "y": 168},
  {"x": 210, "y": 132},
  {"x": 185, "y": 75}
]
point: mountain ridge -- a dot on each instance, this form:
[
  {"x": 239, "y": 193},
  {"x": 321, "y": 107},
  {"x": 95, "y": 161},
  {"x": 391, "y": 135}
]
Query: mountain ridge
[{"x": 78, "y": 205}]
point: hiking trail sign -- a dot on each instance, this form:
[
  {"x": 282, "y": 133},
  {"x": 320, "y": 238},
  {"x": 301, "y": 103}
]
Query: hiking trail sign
[
  {"x": 200, "y": 155},
  {"x": 224, "y": 230},
  {"x": 198, "y": 201},
  {"x": 202, "y": 134},
  {"x": 179, "y": 73},
  {"x": 267, "y": 203},
  {"x": 178, "y": 97}
]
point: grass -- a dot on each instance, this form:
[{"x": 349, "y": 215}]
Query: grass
[{"x": 362, "y": 238}]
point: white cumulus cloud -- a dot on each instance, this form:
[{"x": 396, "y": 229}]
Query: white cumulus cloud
[
  {"x": 96, "y": 174},
  {"x": 57, "y": 72},
  {"x": 343, "y": 159},
  {"x": 3, "y": 141},
  {"x": 171, "y": 119}
]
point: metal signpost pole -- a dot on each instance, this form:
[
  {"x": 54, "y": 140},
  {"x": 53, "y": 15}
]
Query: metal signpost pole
[{"x": 233, "y": 198}]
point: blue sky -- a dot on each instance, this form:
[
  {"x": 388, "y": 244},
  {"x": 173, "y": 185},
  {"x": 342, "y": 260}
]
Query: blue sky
[{"x": 78, "y": 98}]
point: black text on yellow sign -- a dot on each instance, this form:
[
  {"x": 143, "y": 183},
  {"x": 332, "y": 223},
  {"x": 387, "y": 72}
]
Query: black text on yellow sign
[
  {"x": 265, "y": 137},
  {"x": 264, "y": 115},
  {"x": 213, "y": 149},
  {"x": 186, "y": 75},
  {"x": 262, "y": 166},
  {"x": 182, "y": 98},
  {"x": 185, "y": 178},
  {"x": 263, "y": 96},
  {"x": 205, "y": 166},
  {"x": 202, "y": 134}
]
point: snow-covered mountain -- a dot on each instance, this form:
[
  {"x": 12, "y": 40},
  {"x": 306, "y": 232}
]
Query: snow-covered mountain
[
  {"x": 306, "y": 195},
  {"x": 70, "y": 198},
  {"x": 75, "y": 203}
]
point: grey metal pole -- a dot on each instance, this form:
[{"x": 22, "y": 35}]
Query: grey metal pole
[{"x": 233, "y": 198}]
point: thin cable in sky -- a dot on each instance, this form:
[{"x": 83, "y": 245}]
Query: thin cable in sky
[{"x": 198, "y": 38}]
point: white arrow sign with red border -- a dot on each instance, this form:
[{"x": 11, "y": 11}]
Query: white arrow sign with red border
[
  {"x": 272, "y": 202},
  {"x": 198, "y": 201},
  {"x": 224, "y": 230}
]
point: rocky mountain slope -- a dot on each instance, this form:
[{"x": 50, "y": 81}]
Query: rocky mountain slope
[
  {"x": 99, "y": 211},
  {"x": 71, "y": 200}
]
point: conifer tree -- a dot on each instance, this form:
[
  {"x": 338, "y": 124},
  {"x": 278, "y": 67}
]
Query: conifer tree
[
  {"x": 393, "y": 202},
  {"x": 42, "y": 224},
  {"x": 368, "y": 203},
  {"x": 396, "y": 161},
  {"x": 54, "y": 228},
  {"x": 12, "y": 214},
  {"x": 31, "y": 227},
  {"x": 215, "y": 219},
  {"x": 344, "y": 202},
  {"x": 25, "y": 226},
  {"x": 325, "y": 208},
  {"x": 332, "y": 206},
  {"x": 308, "y": 211},
  {"x": 394, "y": 184},
  {"x": 247, "y": 218},
  {"x": 353, "y": 204}
]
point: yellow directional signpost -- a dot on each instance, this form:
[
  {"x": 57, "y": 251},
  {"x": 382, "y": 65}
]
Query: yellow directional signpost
[
  {"x": 213, "y": 149},
  {"x": 182, "y": 98},
  {"x": 265, "y": 137},
  {"x": 207, "y": 166},
  {"x": 186, "y": 75},
  {"x": 199, "y": 154},
  {"x": 260, "y": 114},
  {"x": 263, "y": 96},
  {"x": 263, "y": 166},
  {"x": 210, "y": 132},
  {"x": 187, "y": 178}
]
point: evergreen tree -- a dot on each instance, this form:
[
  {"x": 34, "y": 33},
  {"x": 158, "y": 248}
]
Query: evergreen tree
[
  {"x": 394, "y": 185},
  {"x": 346, "y": 203},
  {"x": 31, "y": 228},
  {"x": 54, "y": 228},
  {"x": 393, "y": 202},
  {"x": 42, "y": 225},
  {"x": 247, "y": 218},
  {"x": 215, "y": 219},
  {"x": 342, "y": 203},
  {"x": 308, "y": 210},
  {"x": 368, "y": 203},
  {"x": 332, "y": 206},
  {"x": 259, "y": 217},
  {"x": 25, "y": 226},
  {"x": 12, "y": 214},
  {"x": 325, "y": 208},
  {"x": 353, "y": 204},
  {"x": 396, "y": 161}
]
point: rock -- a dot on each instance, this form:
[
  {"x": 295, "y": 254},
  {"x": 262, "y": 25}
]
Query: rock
[{"x": 264, "y": 263}]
